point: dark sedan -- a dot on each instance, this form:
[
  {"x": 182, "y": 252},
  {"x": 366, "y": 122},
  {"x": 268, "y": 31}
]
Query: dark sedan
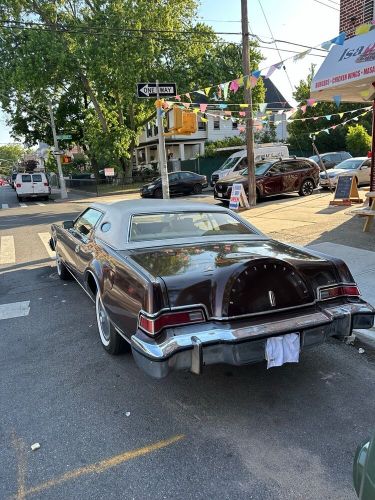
[
  {"x": 179, "y": 183},
  {"x": 168, "y": 285},
  {"x": 274, "y": 177}
]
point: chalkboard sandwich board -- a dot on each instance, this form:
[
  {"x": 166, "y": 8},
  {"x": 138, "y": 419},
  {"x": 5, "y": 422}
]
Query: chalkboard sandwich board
[{"x": 346, "y": 191}]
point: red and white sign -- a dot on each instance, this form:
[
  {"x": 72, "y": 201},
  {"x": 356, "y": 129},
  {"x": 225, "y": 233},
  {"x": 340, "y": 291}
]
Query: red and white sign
[
  {"x": 109, "y": 172},
  {"x": 348, "y": 71}
]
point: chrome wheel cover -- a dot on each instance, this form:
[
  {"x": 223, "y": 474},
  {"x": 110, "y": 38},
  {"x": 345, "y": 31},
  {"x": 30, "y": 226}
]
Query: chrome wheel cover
[
  {"x": 104, "y": 324},
  {"x": 58, "y": 264}
]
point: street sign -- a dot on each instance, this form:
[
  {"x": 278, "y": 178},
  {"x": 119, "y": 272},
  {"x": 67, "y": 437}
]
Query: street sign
[
  {"x": 109, "y": 172},
  {"x": 64, "y": 137},
  {"x": 147, "y": 90}
]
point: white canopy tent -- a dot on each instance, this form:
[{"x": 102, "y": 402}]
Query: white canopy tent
[
  {"x": 348, "y": 71},
  {"x": 348, "y": 75}
]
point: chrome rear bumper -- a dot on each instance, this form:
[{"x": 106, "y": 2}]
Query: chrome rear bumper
[{"x": 242, "y": 342}]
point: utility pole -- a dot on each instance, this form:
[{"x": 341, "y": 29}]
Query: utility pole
[
  {"x": 249, "y": 101},
  {"x": 162, "y": 156},
  {"x": 63, "y": 192}
]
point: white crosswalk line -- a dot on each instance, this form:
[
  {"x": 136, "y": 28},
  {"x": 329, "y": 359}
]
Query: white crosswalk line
[
  {"x": 7, "y": 251},
  {"x": 4, "y": 205},
  {"x": 45, "y": 237},
  {"x": 14, "y": 309},
  {"x": 39, "y": 203},
  {"x": 23, "y": 205}
]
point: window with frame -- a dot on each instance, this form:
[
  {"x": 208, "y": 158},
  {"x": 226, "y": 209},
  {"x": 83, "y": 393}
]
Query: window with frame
[
  {"x": 234, "y": 125},
  {"x": 26, "y": 178},
  {"x": 162, "y": 226},
  {"x": 202, "y": 125},
  {"x": 87, "y": 221},
  {"x": 216, "y": 123},
  {"x": 37, "y": 178}
]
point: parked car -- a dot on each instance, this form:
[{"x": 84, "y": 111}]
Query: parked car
[
  {"x": 167, "y": 284},
  {"x": 274, "y": 177},
  {"x": 3, "y": 182},
  {"x": 364, "y": 470},
  {"x": 238, "y": 161},
  {"x": 330, "y": 160},
  {"x": 359, "y": 167},
  {"x": 33, "y": 185},
  {"x": 179, "y": 183}
]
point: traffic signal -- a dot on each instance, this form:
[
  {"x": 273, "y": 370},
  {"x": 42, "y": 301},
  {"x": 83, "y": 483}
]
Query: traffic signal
[{"x": 184, "y": 122}]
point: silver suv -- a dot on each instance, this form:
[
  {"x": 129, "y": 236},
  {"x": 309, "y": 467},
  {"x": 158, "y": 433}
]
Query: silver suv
[{"x": 330, "y": 160}]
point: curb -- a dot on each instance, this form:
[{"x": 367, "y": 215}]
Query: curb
[{"x": 366, "y": 335}]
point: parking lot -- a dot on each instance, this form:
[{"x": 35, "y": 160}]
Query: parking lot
[{"x": 106, "y": 430}]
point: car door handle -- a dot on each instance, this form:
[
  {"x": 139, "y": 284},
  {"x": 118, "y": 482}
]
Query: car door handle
[{"x": 77, "y": 248}]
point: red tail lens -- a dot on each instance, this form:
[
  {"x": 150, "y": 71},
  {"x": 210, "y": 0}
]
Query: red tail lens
[
  {"x": 153, "y": 326},
  {"x": 18, "y": 185},
  {"x": 339, "y": 291},
  {"x": 46, "y": 183}
]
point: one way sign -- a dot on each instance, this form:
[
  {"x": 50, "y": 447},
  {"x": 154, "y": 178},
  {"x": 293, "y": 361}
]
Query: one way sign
[{"x": 149, "y": 89}]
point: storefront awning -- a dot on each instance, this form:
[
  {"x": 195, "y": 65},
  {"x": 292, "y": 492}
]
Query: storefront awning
[{"x": 348, "y": 72}]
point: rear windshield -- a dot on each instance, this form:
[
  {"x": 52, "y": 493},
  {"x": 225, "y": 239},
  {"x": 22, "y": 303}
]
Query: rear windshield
[
  {"x": 184, "y": 225},
  {"x": 37, "y": 178},
  {"x": 26, "y": 178}
]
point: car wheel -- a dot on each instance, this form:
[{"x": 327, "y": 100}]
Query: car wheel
[
  {"x": 62, "y": 270},
  {"x": 158, "y": 193},
  {"x": 307, "y": 188},
  {"x": 110, "y": 339},
  {"x": 197, "y": 189}
]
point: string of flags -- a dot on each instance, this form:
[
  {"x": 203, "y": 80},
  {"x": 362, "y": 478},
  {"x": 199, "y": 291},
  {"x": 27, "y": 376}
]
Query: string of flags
[
  {"x": 328, "y": 129},
  {"x": 221, "y": 91}
]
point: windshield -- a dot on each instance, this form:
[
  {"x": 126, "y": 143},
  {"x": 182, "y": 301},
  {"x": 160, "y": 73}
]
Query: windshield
[
  {"x": 260, "y": 168},
  {"x": 349, "y": 164},
  {"x": 229, "y": 163},
  {"x": 185, "y": 225},
  {"x": 314, "y": 158}
]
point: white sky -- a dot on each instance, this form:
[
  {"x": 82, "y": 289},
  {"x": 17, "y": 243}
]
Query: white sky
[{"x": 301, "y": 21}]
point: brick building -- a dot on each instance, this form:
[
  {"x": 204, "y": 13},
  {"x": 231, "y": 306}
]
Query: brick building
[{"x": 355, "y": 12}]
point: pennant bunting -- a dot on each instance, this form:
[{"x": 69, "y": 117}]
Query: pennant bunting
[
  {"x": 244, "y": 105},
  {"x": 340, "y": 39},
  {"x": 225, "y": 90},
  {"x": 227, "y": 113},
  {"x": 186, "y": 104},
  {"x": 234, "y": 86},
  {"x": 256, "y": 74},
  {"x": 262, "y": 107},
  {"x": 326, "y": 45},
  {"x": 310, "y": 102},
  {"x": 240, "y": 81},
  {"x": 337, "y": 99},
  {"x": 207, "y": 90},
  {"x": 203, "y": 107},
  {"x": 242, "y": 113},
  {"x": 303, "y": 108},
  {"x": 177, "y": 97},
  {"x": 223, "y": 106},
  {"x": 204, "y": 119},
  {"x": 271, "y": 71}
]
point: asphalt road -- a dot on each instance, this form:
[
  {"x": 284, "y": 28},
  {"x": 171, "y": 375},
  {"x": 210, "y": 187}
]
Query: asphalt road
[{"x": 107, "y": 431}]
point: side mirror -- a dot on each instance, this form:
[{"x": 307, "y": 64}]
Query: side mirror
[{"x": 67, "y": 224}]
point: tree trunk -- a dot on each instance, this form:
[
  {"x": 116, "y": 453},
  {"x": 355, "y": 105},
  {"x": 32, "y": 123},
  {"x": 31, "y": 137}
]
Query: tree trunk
[{"x": 95, "y": 167}]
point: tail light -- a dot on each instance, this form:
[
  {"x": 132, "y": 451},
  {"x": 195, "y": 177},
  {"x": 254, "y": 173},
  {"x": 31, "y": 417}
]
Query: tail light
[
  {"x": 46, "y": 183},
  {"x": 18, "y": 185},
  {"x": 339, "y": 291},
  {"x": 153, "y": 326}
]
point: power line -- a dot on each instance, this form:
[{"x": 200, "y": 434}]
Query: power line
[{"x": 327, "y": 5}]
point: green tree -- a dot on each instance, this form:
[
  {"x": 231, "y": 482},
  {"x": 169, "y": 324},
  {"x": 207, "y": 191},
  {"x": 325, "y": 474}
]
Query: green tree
[
  {"x": 89, "y": 55},
  {"x": 10, "y": 155},
  {"x": 358, "y": 141}
]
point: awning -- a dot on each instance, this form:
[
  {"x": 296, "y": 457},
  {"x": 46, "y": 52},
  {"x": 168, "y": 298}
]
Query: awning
[{"x": 347, "y": 72}]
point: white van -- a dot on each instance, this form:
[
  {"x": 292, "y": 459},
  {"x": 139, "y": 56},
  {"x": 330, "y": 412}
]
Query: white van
[
  {"x": 238, "y": 161},
  {"x": 32, "y": 185}
]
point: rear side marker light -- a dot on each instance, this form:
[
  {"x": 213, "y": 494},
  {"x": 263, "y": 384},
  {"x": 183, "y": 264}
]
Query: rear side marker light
[
  {"x": 153, "y": 326},
  {"x": 18, "y": 185},
  {"x": 339, "y": 291}
]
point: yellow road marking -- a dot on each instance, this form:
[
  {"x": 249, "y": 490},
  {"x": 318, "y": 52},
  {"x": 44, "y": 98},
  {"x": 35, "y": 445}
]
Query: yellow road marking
[
  {"x": 7, "y": 251},
  {"x": 45, "y": 237},
  {"x": 20, "y": 449},
  {"x": 98, "y": 467}
]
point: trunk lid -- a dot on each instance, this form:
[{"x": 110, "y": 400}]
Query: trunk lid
[{"x": 238, "y": 279}]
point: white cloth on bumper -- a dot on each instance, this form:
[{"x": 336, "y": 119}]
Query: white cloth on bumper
[{"x": 283, "y": 349}]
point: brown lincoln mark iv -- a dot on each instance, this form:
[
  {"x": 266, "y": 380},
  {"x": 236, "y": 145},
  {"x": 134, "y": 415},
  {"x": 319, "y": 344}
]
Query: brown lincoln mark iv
[{"x": 187, "y": 285}]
